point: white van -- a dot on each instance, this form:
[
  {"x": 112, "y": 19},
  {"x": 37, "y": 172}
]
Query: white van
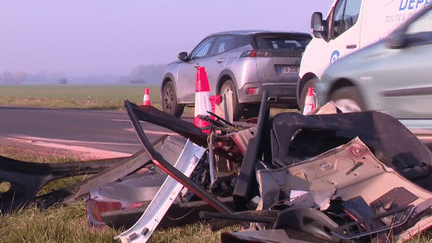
[{"x": 350, "y": 25}]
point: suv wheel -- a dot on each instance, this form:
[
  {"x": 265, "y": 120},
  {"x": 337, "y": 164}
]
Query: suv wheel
[
  {"x": 169, "y": 100},
  {"x": 227, "y": 87},
  {"x": 348, "y": 99}
]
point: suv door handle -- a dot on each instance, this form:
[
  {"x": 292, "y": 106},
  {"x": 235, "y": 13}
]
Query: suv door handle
[
  {"x": 351, "y": 46},
  {"x": 220, "y": 60}
]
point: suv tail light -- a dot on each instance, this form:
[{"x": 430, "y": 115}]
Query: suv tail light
[
  {"x": 252, "y": 91},
  {"x": 255, "y": 54},
  {"x": 96, "y": 208}
]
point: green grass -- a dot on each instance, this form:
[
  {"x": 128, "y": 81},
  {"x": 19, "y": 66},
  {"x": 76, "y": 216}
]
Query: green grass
[
  {"x": 69, "y": 96},
  {"x": 57, "y": 224},
  {"x": 68, "y": 224},
  {"x": 97, "y": 97}
]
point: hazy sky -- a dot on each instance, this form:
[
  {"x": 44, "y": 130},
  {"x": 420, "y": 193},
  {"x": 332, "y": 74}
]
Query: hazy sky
[{"x": 81, "y": 37}]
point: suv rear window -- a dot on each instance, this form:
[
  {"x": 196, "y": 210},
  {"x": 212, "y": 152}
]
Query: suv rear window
[{"x": 284, "y": 43}]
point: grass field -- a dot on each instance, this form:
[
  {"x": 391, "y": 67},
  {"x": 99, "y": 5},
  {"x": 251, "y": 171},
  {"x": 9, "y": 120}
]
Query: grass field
[
  {"x": 69, "y": 96},
  {"x": 97, "y": 97}
]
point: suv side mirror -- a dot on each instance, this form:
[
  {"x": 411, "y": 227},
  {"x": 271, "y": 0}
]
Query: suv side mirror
[
  {"x": 317, "y": 25},
  {"x": 396, "y": 40},
  {"x": 183, "y": 56}
]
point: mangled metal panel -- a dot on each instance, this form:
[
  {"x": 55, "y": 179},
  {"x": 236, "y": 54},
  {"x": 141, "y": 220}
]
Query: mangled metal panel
[
  {"x": 241, "y": 192},
  {"x": 329, "y": 171},
  {"x": 131, "y": 191},
  {"x": 169, "y": 169},
  {"x": 163, "y": 199},
  {"x": 157, "y": 117},
  {"x": 313, "y": 135},
  {"x": 272, "y": 235},
  {"x": 25, "y": 179},
  {"x": 352, "y": 172},
  {"x": 70, "y": 194},
  {"x": 293, "y": 137}
]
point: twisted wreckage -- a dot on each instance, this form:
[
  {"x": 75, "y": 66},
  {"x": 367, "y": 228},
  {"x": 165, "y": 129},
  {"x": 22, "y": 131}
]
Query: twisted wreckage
[{"x": 357, "y": 177}]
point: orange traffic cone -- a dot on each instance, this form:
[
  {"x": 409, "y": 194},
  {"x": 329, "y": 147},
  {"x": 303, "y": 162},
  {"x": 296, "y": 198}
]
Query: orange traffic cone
[
  {"x": 202, "y": 98},
  {"x": 309, "y": 101},
  {"x": 146, "y": 98}
]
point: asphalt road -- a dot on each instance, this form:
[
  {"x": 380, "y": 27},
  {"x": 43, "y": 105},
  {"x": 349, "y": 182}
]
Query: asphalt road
[{"x": 94, "y": 133}]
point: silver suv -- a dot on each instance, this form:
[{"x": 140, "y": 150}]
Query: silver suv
[{"x": 243, "y": 62}]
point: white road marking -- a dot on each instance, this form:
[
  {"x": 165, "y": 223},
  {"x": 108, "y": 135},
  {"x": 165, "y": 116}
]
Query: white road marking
[
  {"x": 154, "y": 132},
  {"x": 147, "y": 132},
  {"x": 64, "y": 141},
  {"x": 121, "y": 120},
  {"x": 53, "y": 143},
  {"x": 82, "y": 146}
]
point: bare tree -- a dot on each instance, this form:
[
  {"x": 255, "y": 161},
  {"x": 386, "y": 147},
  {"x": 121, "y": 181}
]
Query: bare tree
[{"x": 63, "y": 81}]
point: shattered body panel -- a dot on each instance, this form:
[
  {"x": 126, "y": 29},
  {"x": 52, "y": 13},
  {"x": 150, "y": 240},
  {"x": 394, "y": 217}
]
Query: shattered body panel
[
  {"x": 133, "y": 191},
  {"x": 169, "y": 169},
  {"x": 78, "y": 190},
  {"x": 27, "y": 178},
  {"x": 319, "y": 133},
  {"x": 289, "y": 138},
  {"x": 371, "y": 197}
]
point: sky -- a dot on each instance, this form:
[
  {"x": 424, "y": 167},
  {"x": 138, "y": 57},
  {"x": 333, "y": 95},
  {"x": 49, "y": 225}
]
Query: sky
[{"x": 97, "y": 37}]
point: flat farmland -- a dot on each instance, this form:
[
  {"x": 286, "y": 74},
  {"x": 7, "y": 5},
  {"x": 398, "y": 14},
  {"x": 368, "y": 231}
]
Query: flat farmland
[{"x": 102, "y": 97}]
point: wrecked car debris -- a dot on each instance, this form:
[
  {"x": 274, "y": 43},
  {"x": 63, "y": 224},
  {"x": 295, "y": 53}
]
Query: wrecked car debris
[
  {"x": 288, "y": 139},
  {"x": 25, "y": 179},
  {"x": 169, "y": 169},
  {"x": 78, "y": 190},
  {"x": 305, "y": 178},
  {"x": 357, "y": 197}
]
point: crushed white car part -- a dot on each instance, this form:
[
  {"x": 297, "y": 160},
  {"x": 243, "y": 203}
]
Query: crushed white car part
[
  {"x": 163, "y": 199},
  {"x": 353, "y": 173}
]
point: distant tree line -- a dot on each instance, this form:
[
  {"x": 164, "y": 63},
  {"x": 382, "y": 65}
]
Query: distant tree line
[
  {"x": 150, "y": 74},
  {"x": 13, "y": 78},
  {"x": 147, "y": 74}
]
